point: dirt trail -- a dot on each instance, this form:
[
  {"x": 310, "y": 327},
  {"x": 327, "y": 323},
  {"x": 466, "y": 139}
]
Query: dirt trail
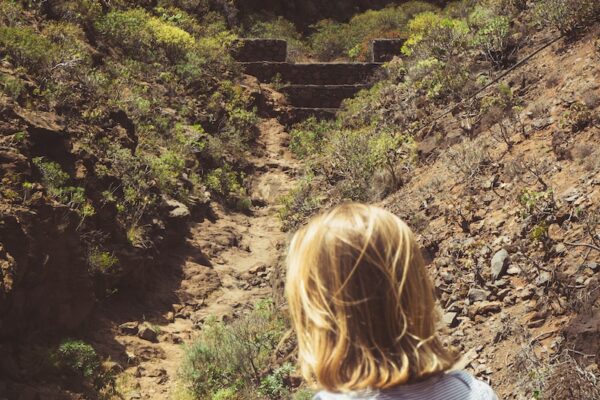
[{"x": 226, "y": 266}]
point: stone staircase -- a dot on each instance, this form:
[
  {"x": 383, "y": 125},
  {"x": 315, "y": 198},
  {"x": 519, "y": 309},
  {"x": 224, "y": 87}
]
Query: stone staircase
[{"x": 312, "y": 89}]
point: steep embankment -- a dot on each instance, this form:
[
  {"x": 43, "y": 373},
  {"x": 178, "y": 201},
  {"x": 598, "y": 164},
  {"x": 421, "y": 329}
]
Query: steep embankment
[
  {"x": 511, "y": 222},
  {"x": 224, "y": 266}
]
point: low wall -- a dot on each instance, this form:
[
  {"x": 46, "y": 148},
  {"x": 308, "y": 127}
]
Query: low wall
[
  {"x": 252, "y": 50},
  {"x": 312, "y": 74},
  {"x": 384, "y": 50}
]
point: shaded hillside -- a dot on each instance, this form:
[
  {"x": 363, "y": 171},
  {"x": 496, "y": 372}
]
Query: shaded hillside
[{"x": 305, "y": 13}]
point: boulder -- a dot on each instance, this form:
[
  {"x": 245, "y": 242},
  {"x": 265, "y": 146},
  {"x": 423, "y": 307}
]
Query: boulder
[
  {"x": 129, "y": 328},
  {"x": 478, "y": 294},
  {"x": 499, "y": 264},
  {"x": 148, "y": 333},
  {"x": 177, "y": 209}
]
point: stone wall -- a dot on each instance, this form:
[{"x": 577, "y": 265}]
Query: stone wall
[
  {"x": 249, "y": 50},
  {"x": 384, "y": 50},
  {"x": 312, "y": 74}
]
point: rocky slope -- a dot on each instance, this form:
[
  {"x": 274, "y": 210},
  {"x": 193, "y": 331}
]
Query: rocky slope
[{"x": 511, "y": 225}]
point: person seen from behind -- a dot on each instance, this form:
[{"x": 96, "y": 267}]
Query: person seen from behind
[{"x": 363, "y": 309}]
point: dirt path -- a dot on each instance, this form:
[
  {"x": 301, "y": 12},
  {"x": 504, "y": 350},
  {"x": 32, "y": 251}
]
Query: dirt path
[{"x": 226, "y": 266}]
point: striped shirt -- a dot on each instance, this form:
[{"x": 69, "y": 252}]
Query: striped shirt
[{"x": 456, "y": 385}]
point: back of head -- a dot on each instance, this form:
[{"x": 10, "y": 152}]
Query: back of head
[{"x": 361, "y": 302}]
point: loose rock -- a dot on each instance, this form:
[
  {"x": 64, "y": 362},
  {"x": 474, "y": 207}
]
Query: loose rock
[
  {"x": 478, "y": 294},
  {"x": 129, "y": 328},
  {"x": 499, "y": 264},
  {"x": 148, "y": 333}
]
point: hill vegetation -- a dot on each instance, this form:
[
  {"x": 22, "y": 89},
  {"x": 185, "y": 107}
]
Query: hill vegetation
[{"x": 122, "y": 121}]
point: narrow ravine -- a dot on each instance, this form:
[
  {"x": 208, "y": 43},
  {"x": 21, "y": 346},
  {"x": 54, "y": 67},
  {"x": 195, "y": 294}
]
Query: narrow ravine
[{"x": 225, "y": 267}]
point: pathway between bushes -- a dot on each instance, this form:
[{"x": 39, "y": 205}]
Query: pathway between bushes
[{"x": 225, "y": 265}]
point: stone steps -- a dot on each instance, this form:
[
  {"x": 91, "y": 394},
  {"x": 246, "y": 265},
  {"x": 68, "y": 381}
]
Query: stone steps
[
  {"x": 319, "y": 96},
  {"x": 312, "y": 89},
  {"x": 311, "y": 74}
]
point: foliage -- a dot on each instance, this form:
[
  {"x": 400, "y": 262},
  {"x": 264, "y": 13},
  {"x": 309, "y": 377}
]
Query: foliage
[
  {"x": 300, "y": 203},
  {"x": 577, "y": 117},
  {"x": 273, "y": 385},
  {"x": 354, "y": 157},
  {"x": 307, "y": 137},
  {"x": 332, "y": 40},
  {"x": 433, "y": 35},
  {"x": 11, "y": 13},
  {"x": 229, "y": 358},
  {"x": 80, "y": 362},
  {"x": 278, "y": 28},
  {"x": 55, "y": 180},
  {"x": 492, "y": 34},
  {"x": 228, "y": 184},
  {"x": 12, "y": 86},
  {"x": 567, "y": 16},
  {"x": 26, "y": 47},
  {"x": 144, "y": 36},
  {"x": 101, "y": 261}
]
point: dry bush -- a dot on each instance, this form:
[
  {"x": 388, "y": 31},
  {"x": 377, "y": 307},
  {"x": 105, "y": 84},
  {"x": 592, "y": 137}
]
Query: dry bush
[
  {"x": 569, "y": 380},
  {"x": 469, "y": 159}
]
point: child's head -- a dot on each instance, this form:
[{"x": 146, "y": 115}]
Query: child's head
[{"x": 361, "y": 302}]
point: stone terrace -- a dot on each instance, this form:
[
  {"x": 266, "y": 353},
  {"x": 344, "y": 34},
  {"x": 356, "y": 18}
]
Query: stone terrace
[{"x": 312, "y": 89}]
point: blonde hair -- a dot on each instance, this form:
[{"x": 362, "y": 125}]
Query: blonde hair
[{"x": 361, "y": 302}]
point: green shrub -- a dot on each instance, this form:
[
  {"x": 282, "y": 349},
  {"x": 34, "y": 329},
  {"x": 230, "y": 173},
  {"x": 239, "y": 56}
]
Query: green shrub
[
  {"x": 76, "y": 11},
  {"x": 434, "y": 35},
  {"x": 77, "y": 358},
  {"x": 577, "y": 117},
  {"x": 307, "y": 137},
  {"x": 566, "y": 15},
  {"x": 101, "y": 261},
  {"x": 232, "y": 356},
  {"x": 330, "y": 40},
  {"x": 492, "y": 34},
  {"x": 55, "y": 180},
  {"x": 179, "y": 18},
  {"x": 27, "y": 48},
  {"x": 279, "y": 28},
  {"x": 354, "y": 156},
  {"x": 144, "y": 36},
  {"x": 11, "y": 13},
  {"x": 300, "y": 203},
  {"x": 439, "y": 80},
  {"x": 273, "y": 385},
  {"x": 333, "y": 40},
  {"x": 228, "y": 184},
  {"x": 12, "y": 86}
]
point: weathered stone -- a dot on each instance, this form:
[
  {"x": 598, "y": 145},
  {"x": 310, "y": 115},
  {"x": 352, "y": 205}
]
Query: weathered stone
[
  {"x": 450, "y": 319},
  {"x": 252, "y": 50},
  {"x": 384, "y": 50},
  {"x": 560, "y": 248},
  {"x": 594, "y": 266},
  {"x": 499, "y": 264},
  {"x": 513, "y": 270},
  {"x": 177, "y": 209},
  {"x": 148, "y": 333},
  {"x": 478, "y": 294},
  {"x": 320, "y": 96},
  {"x": 543, "y": 278},
  {"x": 129, "y": 328},
  {"x": 486, "y": 307},
  {"x": 257, "y": 269},
  {"x": 312, "y": 73}
]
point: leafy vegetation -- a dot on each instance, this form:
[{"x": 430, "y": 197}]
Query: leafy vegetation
[
  {"x": 229, "y": 359},
  {"x": 80, "y": 361}
]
